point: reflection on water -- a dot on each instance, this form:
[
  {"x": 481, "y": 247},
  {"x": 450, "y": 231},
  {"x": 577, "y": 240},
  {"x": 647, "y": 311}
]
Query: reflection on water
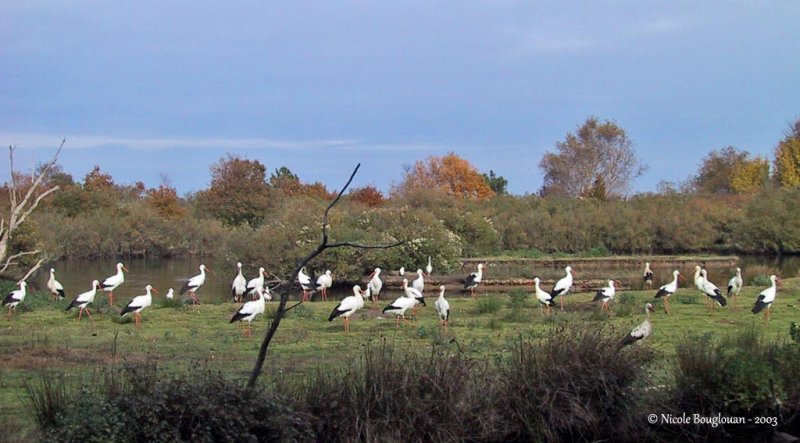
[{"x": 77, "y": 275}]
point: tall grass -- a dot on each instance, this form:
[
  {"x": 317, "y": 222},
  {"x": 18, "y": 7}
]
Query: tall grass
[
  {"x": 740, "y": 375},
  {"x": 572, "y": 386}
]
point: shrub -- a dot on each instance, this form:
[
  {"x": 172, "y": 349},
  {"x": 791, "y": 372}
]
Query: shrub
[
  {"x": 761, "y": 280},
  {"x": 626, "y": 298},
  {"x": 572, "y": 386},
  {"x": 135, "y": 403},
  {"x": 740, "y": 375},
  {"x": 390, "y": 397},
  {"x": 518, "y": 298},
  {"x": 687, "y": 299},
  {"x": 487, "y": 305}
]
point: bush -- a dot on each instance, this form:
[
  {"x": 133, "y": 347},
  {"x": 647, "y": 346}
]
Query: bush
[
  {"x": 572, "y": 386},
  {"x": 135, "y": 403},
  {"x": 687, "y": 299},
  {"x": 518, "y": 298},
  {"x": 740, "y": 375},
  {"x": 487, "y": 305},
  {"x": 388, "y": 397}
]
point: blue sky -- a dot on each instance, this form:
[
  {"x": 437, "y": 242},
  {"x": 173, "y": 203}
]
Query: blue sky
[{"x": 148, "y": 89}]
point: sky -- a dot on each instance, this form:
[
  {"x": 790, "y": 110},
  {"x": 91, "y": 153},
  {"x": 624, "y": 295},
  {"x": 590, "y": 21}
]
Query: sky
[{"x": 154, "y": 90}]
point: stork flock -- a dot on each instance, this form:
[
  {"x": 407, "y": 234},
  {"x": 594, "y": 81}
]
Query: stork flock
[{"x": 413, "y": 295}]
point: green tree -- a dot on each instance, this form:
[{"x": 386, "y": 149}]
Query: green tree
[
  {"x": 598, "y": 190},
  {"x": 595, "y": 149},
  {"x": 497, "y": 183},
  {"x": 750, "y": 175},
  {"x": 719, "y": 169},
  {"x": 238, "y": 194},
  {"x": 281, "y": 175},
  {"x": 787, "y": 159}
]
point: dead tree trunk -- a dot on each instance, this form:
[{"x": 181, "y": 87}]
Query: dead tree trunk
[{"x": 21, "y": 205}]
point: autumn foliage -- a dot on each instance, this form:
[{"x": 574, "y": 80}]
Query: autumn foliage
[
  {"x": 450, "y": 175},
  {"x": 787, "y": 159},
  {"x": 368, "y": 195},
  {"x": 238, "y": 193}
]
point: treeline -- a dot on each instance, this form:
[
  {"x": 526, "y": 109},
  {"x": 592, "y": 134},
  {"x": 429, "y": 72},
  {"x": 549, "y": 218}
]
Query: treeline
[
  {"x": 443, "y": 208},
  {"x": 273, "y": 229}
]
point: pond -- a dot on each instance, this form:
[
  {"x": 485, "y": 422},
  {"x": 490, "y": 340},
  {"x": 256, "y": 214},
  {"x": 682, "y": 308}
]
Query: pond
[{"x": 77, "y": 275}]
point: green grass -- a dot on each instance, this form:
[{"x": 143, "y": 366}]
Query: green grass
[{"x": 44, "y": 337}]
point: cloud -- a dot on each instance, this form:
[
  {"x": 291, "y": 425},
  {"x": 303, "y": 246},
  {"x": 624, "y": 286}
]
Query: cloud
[
  {"x": 23, "y": 140},
  {"x": 662, "y": 26},
  {"x": 537, "y": 41}
]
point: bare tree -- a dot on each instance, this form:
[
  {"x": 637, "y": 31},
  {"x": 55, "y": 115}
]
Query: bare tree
[
  {"x": 282, "y": 309},
  {"x": 22, "y": 202},
  {"x": 595, "y": 150}
]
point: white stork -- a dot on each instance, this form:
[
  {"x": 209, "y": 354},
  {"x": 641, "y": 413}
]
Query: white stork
[
  {"x": 170, "y": 294},
  {"x": 400, "y": 306},
  {"x": 324, "y": 282},
  {"x": 375, "y": 284},
  {"x": 647, "y": 275},
  {"x": 55, "y": 287},
  {"x": 640, "y": 332},
  {"x": 766, "y": 297},
  {"x": 194, "y": 283},
  {"x": 605, "y": 295},
  {"x": 429, "y": 267},
  {"x": 735, "y": 285},
  {"x": 419, "y": 282},
  {"x": 254, "y": 284},
  {"x": 113, "y": 282},
  {"x": 413, "y": 293},
  {"x": 14, "y": 298},
  {"x": 402, "y": 271},
  {"x": 82, "y": 300},
  {"x": 562, "y": 286},
  {"x": 239, "y": 285},
  {"x": 138, "y": 304},
  {"x": 698, "y": 278},
  {"x": 348, "y": 306},
  {"x": 248, "y": 311},
  {"x": 712, "y": 291},
  {"x": 544, "y": 297},
  {"x": 442, "y": 309},
  {"x": 305, "y": 283},
  {"x": 473, "y": 279},
  {"x": 668, "y": 289}
]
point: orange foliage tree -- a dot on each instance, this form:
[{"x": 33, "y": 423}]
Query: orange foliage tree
[
  {"x": 238, "y": 194},
  {"x": 451, "y": 175},
  {"x": 164, "y": 199},
  {"x": 368, "y": 195}
]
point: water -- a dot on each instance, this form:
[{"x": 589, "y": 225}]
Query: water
[{"x": 77, "y": 275}]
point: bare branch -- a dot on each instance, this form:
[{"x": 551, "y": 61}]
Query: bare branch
[
  {"x": 294, "y": 306},
  {"x": 360, "y": 246},
  {"x": 35, "y": 204},
  {"x": 13, "y": 178},
  {"x": 33, "y": 269},
  {"x": 281, "y": 311},
  {"x": 21, "y": 206},
  {"x": 8, "y": 262},
  {"x": 37, "y": 180},
  {"x": 333, "y": 203}
]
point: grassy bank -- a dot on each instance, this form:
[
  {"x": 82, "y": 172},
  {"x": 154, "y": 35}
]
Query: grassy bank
[{"x": 45, "y": 338}]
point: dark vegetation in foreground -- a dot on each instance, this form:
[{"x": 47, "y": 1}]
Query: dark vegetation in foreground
[{"x": 570, "y": 386}]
